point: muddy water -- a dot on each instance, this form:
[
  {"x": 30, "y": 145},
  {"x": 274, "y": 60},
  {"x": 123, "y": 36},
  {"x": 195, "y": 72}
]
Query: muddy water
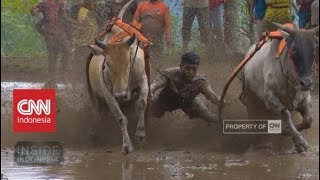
[
  {"x": 177, "y": 148},
  {"x": 151, "y": 164}
]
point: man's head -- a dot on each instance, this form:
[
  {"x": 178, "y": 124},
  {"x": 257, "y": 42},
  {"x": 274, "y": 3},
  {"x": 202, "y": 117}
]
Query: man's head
[{"x": 189, "y": 65}]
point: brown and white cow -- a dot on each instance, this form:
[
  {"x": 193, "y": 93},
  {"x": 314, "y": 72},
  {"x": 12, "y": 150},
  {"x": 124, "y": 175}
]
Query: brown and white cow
[
  {"x": 283, "y": 85},
  {"x": 116, "y": 74}
]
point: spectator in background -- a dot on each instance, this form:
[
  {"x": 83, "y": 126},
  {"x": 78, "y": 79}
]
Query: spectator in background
[
  {"x": 192, "y": 9},
  {"x": 53, "y": 28},
  {"x": 276, "y": 11},
  {"x": 304, "y": 12},
  {"x": 85, "y": 32},
  {"x": 257, "y": 10},
  {"x": 154, "y": 17},
  {"x": 216, "y": 10}
]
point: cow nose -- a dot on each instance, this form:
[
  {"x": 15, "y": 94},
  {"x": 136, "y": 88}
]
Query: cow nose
[
  {"x": 306, "y": 84},
  {"x": 123, "y": 96}
]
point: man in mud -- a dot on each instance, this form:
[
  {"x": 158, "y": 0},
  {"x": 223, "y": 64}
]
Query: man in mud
[{"x": 178, "y": 88}]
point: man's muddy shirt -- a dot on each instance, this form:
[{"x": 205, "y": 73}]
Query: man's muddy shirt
[{"x": 185, "y": 92}]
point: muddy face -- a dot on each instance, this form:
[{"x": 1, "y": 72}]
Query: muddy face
[{"x": 189, "y": 71}]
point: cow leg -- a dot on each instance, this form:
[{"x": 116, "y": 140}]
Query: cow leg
[
  {"x": 121, "y": 119},
  {"x": 300, "y": 143},
  {"x": 140, "y": 108},
  {"x": 272, "y": 103},
  {"x": 98, "y": 114},
  {"x": 305, "y": 111}
]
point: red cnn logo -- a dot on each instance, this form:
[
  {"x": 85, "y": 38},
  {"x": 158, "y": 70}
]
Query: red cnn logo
[{"x": 34, "y": 110}]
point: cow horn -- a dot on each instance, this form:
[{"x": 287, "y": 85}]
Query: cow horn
[
  {"x": 284, "y": 28},
  {"x": 130, "y": 41},
  {"x": 100, "y": 44},
  {"x": 316, "y": 30}
]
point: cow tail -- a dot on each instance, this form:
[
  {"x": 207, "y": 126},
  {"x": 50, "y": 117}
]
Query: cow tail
[{"x": 91, "y": 96}]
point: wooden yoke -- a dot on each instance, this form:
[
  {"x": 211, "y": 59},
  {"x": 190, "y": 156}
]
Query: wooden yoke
[{"x": 129, "y": 30}]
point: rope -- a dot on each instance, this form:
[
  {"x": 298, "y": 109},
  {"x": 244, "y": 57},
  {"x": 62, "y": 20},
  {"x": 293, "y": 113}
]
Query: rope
[{"x": 237, "y": 70}]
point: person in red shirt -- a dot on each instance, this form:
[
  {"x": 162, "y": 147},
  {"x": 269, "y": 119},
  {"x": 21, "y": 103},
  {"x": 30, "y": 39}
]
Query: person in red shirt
[{"x": 154, "y": 17}]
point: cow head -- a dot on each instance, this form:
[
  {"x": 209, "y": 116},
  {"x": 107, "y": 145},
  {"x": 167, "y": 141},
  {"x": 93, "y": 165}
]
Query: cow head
[
  {"x": 301, "y": 44},
  {"x": 117, "y": 56}
]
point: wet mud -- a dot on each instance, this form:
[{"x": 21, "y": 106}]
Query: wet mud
[{"x": 176, "y": 147}]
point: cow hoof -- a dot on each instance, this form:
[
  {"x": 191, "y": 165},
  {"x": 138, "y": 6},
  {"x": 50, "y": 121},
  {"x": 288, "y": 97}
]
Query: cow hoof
[
  {"x": 300, "y": 143},
  {"x": 140, "y": 138},
  {"x": 126, "y": 150}
]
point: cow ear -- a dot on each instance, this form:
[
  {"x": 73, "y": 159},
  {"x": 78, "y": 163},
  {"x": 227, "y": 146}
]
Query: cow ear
[
  {"x": 285, "y": 34},
  {"x": 95, "y": 49}
]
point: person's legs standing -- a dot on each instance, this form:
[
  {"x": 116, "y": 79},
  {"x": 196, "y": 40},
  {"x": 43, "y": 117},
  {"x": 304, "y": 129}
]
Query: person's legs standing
[
  {"x": 188, "y": 18},
  {"x": 202, "y": 15},
  {"x": 304, "y": 18},
  {"x": 156, "y": 50},
  {"x": 66, "y": 52},
  {"x": 217, "y": 17},
  {"x": 53, "y": 53},
  {"x": 217, "y": 25}
]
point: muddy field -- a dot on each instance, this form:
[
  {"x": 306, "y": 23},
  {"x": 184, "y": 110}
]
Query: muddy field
[{"x": 176, "y": 147}]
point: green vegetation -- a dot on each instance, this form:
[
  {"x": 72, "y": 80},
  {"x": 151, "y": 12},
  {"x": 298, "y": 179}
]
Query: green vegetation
[{"x": 19, "y": 38}]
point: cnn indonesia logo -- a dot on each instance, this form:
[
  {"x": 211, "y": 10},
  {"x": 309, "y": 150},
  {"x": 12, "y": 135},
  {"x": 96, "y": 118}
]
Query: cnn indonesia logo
[{"x": 34, "y": 110}]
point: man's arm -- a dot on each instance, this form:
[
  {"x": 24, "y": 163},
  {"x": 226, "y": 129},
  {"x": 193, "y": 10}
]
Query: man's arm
[
  {"x": 207, "y": 91},
  {"x": 158, "y": 83}
]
